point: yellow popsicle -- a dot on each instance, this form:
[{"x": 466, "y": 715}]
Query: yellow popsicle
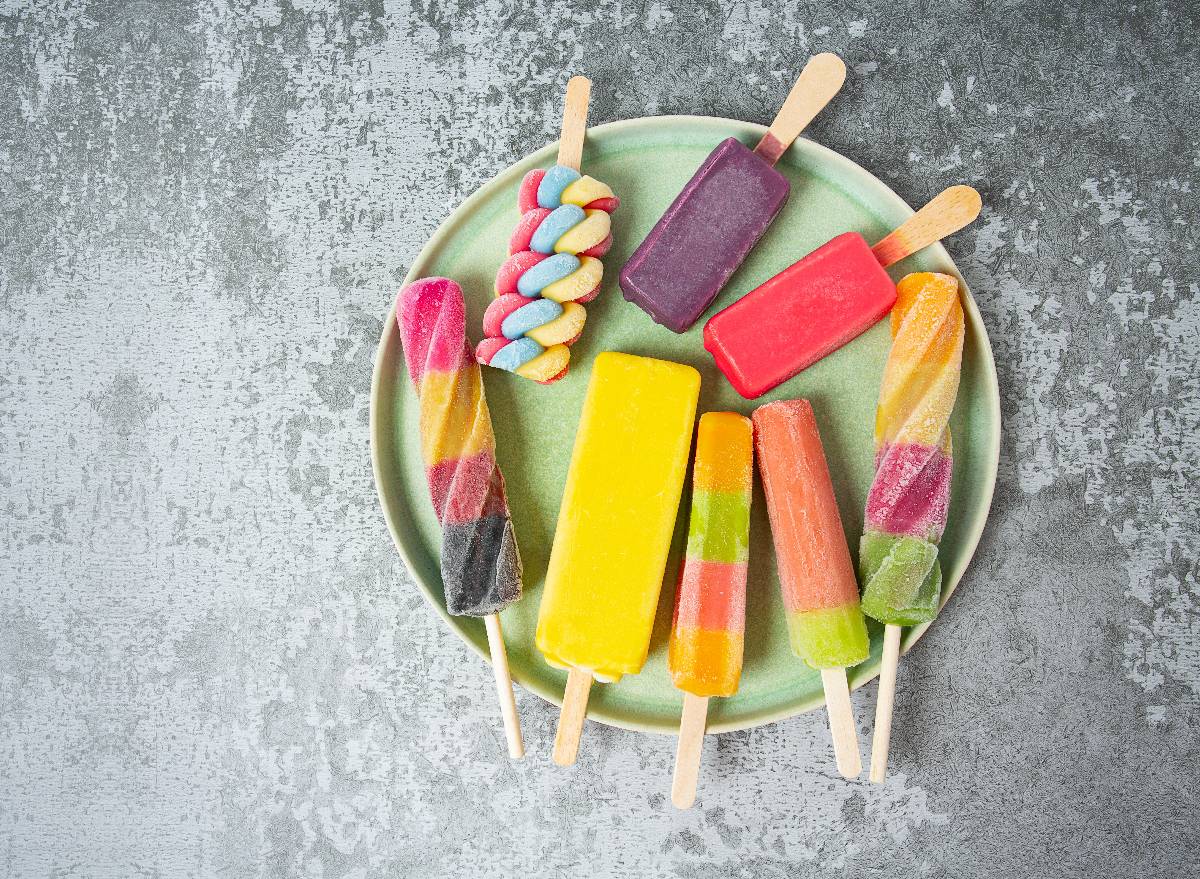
[{"x": 617, "y": 515}]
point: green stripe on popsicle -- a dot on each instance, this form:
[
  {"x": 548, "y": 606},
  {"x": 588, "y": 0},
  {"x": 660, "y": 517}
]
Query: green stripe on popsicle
[
  {"x": 832, "y": 637},
  {"x": 719, "y": 529},
  {"x": 903, "y": 577}
]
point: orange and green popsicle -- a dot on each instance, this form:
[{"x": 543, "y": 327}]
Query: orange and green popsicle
[{"x": 820, "y": 593}]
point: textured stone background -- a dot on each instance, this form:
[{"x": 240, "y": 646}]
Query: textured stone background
[{"x": 211, "y": 660}]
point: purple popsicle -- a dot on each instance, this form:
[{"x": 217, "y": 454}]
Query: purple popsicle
[
  {"x": 697, "y": 245},
  {"x": 703, "y": 237}
]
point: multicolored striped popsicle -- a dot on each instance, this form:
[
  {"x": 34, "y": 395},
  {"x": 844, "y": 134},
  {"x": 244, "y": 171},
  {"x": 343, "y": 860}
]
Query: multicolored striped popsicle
[
  {"x": 909, "y": 499},
  {"x": 820, "y": 593},
  {"x": 481, "y": 567},
  {"x": 705, "y": 655},
  {"x": 710, "y": 605}
]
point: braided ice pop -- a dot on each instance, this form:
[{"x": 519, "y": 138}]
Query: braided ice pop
[
  {"x": 553, "y": 265},
  {"x": 909, "y": 499},
  {"x": 481, "y": 567}
]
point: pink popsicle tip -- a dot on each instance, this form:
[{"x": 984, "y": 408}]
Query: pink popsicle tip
[
  {"x": 527, "y": 194},
  {"x": 486, "y": 350},
  {"x": 431, "y": 316}
]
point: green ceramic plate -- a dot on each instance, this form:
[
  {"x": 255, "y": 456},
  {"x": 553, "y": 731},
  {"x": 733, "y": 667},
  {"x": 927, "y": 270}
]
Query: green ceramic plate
[{"x": 647, "y": 162}]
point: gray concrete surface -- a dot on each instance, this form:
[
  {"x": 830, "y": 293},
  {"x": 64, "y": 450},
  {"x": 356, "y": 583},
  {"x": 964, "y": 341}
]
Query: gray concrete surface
[{"x": 212, "y": 663}]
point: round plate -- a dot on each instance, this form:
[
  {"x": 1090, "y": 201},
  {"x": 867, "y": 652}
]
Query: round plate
[{"x": 647, "y": 162}]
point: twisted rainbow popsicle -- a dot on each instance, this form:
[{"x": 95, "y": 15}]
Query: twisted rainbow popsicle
[
  {"x": 552, "y": 268},
  {"x": 908, "y": 501},
  {"x": 705, "y": 655},
  {"x": 481, "y": 567}
]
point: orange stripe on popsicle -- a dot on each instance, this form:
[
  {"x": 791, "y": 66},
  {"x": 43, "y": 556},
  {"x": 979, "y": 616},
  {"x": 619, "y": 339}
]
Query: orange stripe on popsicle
[
  {"x": 706, "y": 662},
  {"x": 724, "y": 457}
]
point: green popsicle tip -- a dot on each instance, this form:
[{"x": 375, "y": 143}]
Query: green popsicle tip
[
  {"x": 833, "y": 637},
  {"x": 903, "y": 578}
]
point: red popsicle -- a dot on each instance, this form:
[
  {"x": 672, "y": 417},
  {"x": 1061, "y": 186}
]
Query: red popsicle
[{"x": 820, "y": 303}]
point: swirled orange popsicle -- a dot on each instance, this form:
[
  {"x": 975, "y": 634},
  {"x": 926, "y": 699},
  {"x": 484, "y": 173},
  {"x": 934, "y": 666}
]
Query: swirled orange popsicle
[
  {"x": 909, "y": 500},
  {"x": 614, "y": 526}
]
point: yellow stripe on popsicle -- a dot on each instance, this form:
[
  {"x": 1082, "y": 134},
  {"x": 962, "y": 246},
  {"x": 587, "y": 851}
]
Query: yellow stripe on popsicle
[
  {"x": 920, "y": 380},
  {"x": 579, "y": 283},
  {"x": 585, "y": 235},
  {"x": 584, "y": 191},
  {"x": 454, "y": 418}
]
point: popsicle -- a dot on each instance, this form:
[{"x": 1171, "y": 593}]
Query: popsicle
[
  {"x": 716, "y": 220},
  {"x": 825, "y": 300},
  {"x": 705, "y": 655},
  {"x": 820, "y": 593},
  {"x": 553, "y": 265},
  {"x": 909, "y": 499},
  {"x": 481, "y": 567},
  {"x": 614, "y": 527}
]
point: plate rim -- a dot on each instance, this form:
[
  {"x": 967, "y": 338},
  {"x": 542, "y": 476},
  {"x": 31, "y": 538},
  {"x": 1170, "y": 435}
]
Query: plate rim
[{"x": 438, "y": 240}]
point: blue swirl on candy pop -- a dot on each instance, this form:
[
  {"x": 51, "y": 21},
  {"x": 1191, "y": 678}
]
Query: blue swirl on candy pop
[
  {"x": 557, "y": 179},
  {"x": 537, "y": 313},
  {"x": 547, "y": 272},
  {"x": 516, "y": 354},
  {"x": 560, "y": 221}
]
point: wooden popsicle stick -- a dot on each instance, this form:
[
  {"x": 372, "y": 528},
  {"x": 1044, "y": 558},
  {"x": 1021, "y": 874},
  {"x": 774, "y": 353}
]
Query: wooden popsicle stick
[
  {"x": 949, "y": 211},
  {"x": 504, "y": 687},
  {"x": 687, "y": 755},
  {"x": 574, "y": 126},
  {"x": 570, "y": 720},
  {"x": 841, "y": 722},
  {"x": 883, "y": 705},
  {"x": 820, "y": 80}
]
